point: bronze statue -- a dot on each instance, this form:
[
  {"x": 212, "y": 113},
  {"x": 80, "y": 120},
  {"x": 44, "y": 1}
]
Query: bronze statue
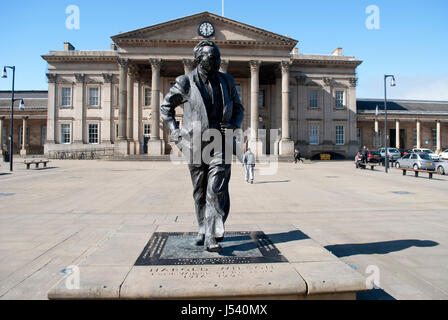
[{"x": 210, "y": 102}]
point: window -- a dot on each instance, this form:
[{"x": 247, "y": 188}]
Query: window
[
  {"x": 147, "y": 129},
  {"x": 21, "y": 135},
  {"x": 359, "y": 136},
  {"x": 65, "y": 133},
  {"x": 116, "y": 130},
  {"x": 415, "y": 137},
  {"x": 4, "y": 136},
  {"x": 44, "y": 135},
  {"x": 238, "y": 89},
  {"x": 147, "y": 98},
  {"x": 93, "y": 133},
  {"x": 339, "y": 99},
  {"x": 377, "y": 139},
  {"x": 290, "y": 99},
  {"x": 340, "y": 139},
  {"x": 313, "y": 99},
  {"x": 261, "y": 99},
  {"x": 94, "y": 96},
  {"x": 66, "y": 95},
  {"x": 314, "y": 134}
]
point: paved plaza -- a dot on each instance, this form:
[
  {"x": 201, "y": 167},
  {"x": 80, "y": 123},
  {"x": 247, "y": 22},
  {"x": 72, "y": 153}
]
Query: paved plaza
[{"x": 55, "y": 217}]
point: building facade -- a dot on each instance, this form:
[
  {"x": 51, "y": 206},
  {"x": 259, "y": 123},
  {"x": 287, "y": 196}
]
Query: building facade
[{"x": 112, "y": 98}]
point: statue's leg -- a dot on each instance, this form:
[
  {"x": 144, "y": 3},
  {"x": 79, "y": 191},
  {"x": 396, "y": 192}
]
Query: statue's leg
[
  {"x": 217, "y": 200},
  {"x": 199, "y": 180}
]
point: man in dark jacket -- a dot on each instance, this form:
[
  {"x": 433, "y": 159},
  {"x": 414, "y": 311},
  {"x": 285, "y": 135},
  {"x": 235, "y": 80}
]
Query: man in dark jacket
[
  {"x": 210, "y": 101},
  {"x": 364, "y": 154}
]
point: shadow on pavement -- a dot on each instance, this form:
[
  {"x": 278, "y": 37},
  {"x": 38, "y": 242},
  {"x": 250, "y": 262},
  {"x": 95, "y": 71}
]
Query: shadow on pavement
[
  {"x": 250, "y": 245},
  {"x": 5, "y": 173},
  {"x": 47, "y": 168},
  {"x": 351, "y": 249}
]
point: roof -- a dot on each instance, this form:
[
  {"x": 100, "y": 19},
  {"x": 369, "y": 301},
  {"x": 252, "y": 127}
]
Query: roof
[
  {"x": 33, "y": 99},
  {"x": 398, "y": 106}
]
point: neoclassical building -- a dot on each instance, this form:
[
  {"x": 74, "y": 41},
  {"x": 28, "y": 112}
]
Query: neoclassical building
[{"x": 111, "y": 99}]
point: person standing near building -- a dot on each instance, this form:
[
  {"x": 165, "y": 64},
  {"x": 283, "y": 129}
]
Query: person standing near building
[
  {"x": 297, "y": 155},
  {"x": 364, "y": 154},
  {"x": 249, "y": 164}
]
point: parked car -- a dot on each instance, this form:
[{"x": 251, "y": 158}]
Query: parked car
[
  {"x": 442, "y": 167},
  {"x": 434, "y": 156},
  {"x": 444, "y": 154},
  {"x": 392, "y": 153},
  {"x": 416, "y": 161},
  {"x": 407, "y": 151},
  {"x": 374, "y": 156}
]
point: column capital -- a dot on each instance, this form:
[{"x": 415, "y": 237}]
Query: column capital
[
  {"x": 254, "y": 65},
  {"x": 25, "y": 118},
  {"x": 123, "y": 62},
  {"x": 188, "y": 63},
  {"x": 156, "y": 64},
  {"x": 328, "y": 81},
  {"x": 353, "y": 82},
  {"x": 52, "y": 77},
  {"x": 80, "y": 77},
  {"x": 285, "y": 65},
  {"x": 108, "y": 77}
]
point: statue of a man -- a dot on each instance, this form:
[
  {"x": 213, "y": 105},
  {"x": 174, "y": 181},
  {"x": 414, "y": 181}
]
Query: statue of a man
[{"x": 210, "y": 101}]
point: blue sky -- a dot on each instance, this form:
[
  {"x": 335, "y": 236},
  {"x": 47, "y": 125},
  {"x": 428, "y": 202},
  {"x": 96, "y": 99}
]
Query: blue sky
[{"x": 411, "y": 42}]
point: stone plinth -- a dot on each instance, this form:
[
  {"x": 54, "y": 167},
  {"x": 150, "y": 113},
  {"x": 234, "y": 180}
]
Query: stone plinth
[
  {"x": 260, "y": 262},
  {"x": 155, "y": 147},
  {"x": 121, "y": 148},
  {"x": 286, "y": 147}
]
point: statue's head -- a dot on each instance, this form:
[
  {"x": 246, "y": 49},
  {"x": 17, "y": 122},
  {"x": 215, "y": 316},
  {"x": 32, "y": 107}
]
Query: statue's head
[{"x": 207, "y": 55}]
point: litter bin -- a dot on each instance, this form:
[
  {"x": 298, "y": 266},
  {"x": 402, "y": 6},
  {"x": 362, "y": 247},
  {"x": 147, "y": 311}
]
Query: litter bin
[{"x": 5, "y": 156}]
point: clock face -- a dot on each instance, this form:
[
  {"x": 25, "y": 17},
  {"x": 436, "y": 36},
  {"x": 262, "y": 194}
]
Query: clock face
[{"x": 206, "y": 29}]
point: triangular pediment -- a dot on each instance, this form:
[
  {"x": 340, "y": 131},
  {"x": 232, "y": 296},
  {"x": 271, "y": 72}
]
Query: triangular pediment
[{"x": 185, "y": 30}]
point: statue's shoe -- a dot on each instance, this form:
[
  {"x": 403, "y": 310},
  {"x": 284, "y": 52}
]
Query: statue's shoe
[
  {"x": 211, "y": 245},
  {"x": 199, "y": 241}
]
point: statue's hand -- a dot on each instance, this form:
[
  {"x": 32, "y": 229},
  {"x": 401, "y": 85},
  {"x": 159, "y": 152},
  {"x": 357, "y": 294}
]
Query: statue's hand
[{"x": 175, "y": 136}]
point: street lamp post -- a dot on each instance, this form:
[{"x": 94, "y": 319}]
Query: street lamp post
[
  {"x": 392, "y": 84},
  {"x": 21, "y": 107}
]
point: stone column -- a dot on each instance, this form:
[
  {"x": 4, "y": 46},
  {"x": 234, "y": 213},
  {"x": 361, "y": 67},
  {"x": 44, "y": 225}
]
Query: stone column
[
  {"x": 122, "y": 143},
  {"x": 23, "y": 150},
  {"x": 438, "y": 137},
  {"x": 224, "y": 66},
  {"x": 397, "y": 134},
  {"x": 79, "y": 109},
  {"x": 254, "y": 143},
  {"x": 418, "y": 134},
  {"x": 155, "y": 144},
  {"x": 129, "y": 110},
  {"x": 377, "y": 141},
  {"x": 188, "y": 65},
  {"x": 1, "y": 135},
  {"x": 107, "y": 97},
  {"x": 51, "y": 112},
  {"x": 286, "y": 144}
]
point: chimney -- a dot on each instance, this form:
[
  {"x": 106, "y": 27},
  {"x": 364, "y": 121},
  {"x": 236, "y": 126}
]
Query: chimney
[
  {"x": 113, "y": 47},
  {"x": 68, "y": 46},
  {"x": 337, "y": 52},
  {"x": 295, "y": 50}
]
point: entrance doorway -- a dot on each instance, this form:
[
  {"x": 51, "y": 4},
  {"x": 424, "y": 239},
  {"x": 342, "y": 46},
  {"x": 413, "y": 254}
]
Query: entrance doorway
[{"x": 393, "y": 141}]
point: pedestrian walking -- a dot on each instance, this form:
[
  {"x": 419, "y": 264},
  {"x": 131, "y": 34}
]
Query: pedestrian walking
[
  {"x": 249, "y": 164},
  {"x": 297, "y": 156}
]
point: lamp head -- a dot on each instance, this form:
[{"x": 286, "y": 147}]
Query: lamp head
[
  {"x": 392, "y": 83},
  {"x": 21, "y": 105},
  {"x": 4, "y": 73}
]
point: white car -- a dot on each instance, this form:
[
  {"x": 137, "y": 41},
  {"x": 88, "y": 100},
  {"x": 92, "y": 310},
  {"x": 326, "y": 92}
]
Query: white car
[
  {"x": 434, "y": 156},
  {"x": 444, "y": 154}
]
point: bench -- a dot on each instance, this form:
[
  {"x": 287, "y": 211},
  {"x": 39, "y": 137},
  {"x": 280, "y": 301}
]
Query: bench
[
  {"x": 365, "y": 165},
  {"x": 430, "y": 173},
  {"x": 29, "y": 162}
]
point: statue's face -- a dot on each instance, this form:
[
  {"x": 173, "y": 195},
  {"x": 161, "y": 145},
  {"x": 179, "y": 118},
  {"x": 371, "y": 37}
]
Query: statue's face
[{"x": 210, "y": 59}]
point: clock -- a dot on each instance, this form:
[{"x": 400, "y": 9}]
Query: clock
[{"x": 206, "y": 29}]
